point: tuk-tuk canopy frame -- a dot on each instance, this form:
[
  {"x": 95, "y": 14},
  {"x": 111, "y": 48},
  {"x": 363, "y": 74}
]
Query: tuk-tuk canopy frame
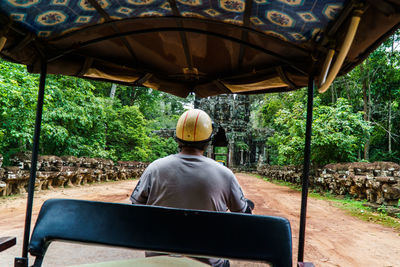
[
  {"x": 237, "y": 46},
  {"x": 205, "y": 47}
]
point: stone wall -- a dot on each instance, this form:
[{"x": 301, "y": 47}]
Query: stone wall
[
  {"x": 377, "y": 182},
  {"x": 53, "y": 171}
]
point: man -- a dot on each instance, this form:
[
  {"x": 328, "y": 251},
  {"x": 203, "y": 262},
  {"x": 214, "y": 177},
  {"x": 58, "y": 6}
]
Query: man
[{"x": 190, "y": 180}]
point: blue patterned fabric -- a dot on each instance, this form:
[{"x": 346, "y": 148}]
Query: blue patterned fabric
[
  {"x": 291, "y": 20},
  {"x": 294, "y": 20}
]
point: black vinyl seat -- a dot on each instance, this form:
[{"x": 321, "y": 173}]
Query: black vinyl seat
[{"x": 187, "y": 232}]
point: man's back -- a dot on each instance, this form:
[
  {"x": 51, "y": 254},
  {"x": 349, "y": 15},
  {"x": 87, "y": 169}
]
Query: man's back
[{"x": 190, "y": 182}]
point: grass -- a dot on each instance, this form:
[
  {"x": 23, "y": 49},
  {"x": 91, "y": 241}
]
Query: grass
[
  {"x": 351, "y": 206},
  {"x": 10, "y": 197}
]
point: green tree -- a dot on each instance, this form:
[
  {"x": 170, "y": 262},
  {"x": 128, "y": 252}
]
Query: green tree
[
  {"x": 17, "y": 108},
  {"x": 374, "y": 87},
  {"x": 74, "y": 119},
  {"x": 126, "y": 134},
  {"x": 338, "y": 132},
  {"x": 161, "y": 147},
  {"x": 79, "y": 121}
]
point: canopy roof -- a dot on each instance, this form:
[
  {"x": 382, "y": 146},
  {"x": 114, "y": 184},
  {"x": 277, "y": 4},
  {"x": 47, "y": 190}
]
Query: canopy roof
[{"x": 182, "y": 46}]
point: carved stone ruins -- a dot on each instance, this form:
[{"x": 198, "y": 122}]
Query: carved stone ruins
[
  {"x": 53, "y": 171},
  {"x": 377, "y": 182}
]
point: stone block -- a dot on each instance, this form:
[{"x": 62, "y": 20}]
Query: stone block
[
  {"x": 357, "y": 171},
  {"x": 12, "y": 173},
  {"x": 77, "y": 179},
  {"x": 377, "y": 172},
  {"x": 328, "y": 170},
  {"x": 371, "y": 195},
  {"x": 23, "y": 160},
  {"x": 386, "y": 179},
  {"x": 3, "y": 188},
  {"x": 391, "y": 192},
  {"x": 71, "y": 161},
  {"x": 360, "y": 179}
]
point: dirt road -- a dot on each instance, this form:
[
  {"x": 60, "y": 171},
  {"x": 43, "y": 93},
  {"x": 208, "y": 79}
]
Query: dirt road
[{"x": 332, "y": 238}]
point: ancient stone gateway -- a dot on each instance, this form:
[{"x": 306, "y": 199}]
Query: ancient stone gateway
[{"x": 235, "y": 142}]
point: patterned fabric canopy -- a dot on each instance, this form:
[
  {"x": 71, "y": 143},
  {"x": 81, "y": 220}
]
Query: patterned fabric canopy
[
  {"x": 290, "y": 20},
  {"x": 208, "y": 47}
]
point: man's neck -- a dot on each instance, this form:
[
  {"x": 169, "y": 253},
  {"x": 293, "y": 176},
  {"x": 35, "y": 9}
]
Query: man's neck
[{"x": 191, "y": 151}]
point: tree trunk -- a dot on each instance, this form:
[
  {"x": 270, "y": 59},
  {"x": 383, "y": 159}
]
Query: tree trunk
[
  {"x": 366, "y": 100},
  {"x": 347, "y": 90},
  {"x": 390, "y": 107},
  {"x": 231, "y": 153},
  {"x": 112, "y": 92},
  {"x": 390, "y": 126}
]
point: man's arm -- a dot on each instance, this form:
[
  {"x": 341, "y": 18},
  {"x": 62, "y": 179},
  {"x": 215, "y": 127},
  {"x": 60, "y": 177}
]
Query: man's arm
[
  {"x": 141, "y": 192},
  {"x": 237, "y": 201}
]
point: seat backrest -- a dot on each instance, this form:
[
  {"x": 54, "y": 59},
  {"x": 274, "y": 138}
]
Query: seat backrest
[{"x": 188, "y": 232}]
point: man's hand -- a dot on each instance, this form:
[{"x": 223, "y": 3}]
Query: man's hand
[{"x": 250, "y": 206}]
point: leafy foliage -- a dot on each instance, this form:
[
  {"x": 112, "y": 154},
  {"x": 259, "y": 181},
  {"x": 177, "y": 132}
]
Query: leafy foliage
[
  {"x": 161, "y": 147},
  {"x": 337, "y": 133},
  {"x": 16, "y": 98},
  {"x": 73, "y": 122},
  {"x": 126, "y": 134},
  {"x": 80, "y": 119},
  {"x": 340, "y": 132}
]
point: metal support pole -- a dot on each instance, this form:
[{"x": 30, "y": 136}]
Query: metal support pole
[
  {"x": 35, "y": 151},
  {"x": 306, "y": 169}
]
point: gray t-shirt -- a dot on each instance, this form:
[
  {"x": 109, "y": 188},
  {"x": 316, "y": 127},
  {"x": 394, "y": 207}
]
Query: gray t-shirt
[{"x": 189, "y": 182}]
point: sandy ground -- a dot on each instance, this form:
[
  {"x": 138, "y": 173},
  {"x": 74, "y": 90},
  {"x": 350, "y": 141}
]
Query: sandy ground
[{"x": 332, "y": 237}]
